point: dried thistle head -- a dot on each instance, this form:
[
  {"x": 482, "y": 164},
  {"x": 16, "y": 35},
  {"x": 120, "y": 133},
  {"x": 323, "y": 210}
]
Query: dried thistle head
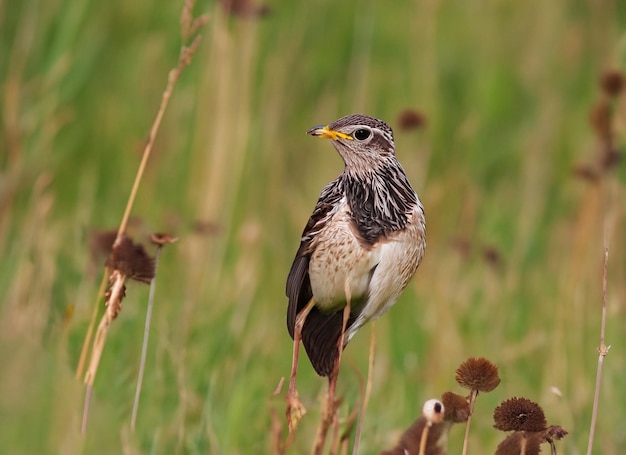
[
  {"x": 410, "y": 119},
  {"x": 519, "y": 414},
  {"x": 439, "y": 418},
  {"x": 554, "y": 433},
  {"x": 457, "y": 407},
  {"x": 610, "y": 158},
  {"x": 131, "y": 260},
  {"x": 586, "y": 171},
  {"x": 478, "y": 373},
  {"x": 101, "y": 241},
  {"x": 529, "y": 442},
  {"x": 520, "y": 442},
  {"x": 600, "y": 119},
  {"x": 612, "y": 83},
  {"x": 160, "y": 238},
  {"x": 410, "y": 440}
]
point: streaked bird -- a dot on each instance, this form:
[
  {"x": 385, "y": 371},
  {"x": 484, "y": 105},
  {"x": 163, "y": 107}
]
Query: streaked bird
[{"x": 359, "y": 249}]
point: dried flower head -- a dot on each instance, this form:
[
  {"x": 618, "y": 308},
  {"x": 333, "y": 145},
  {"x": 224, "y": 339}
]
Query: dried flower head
[
  {"x": 586, "y": 171},
  {"x": 478, "y": 374},
  {"x": 457, "y": 407},
  {"x": 245, "y": 8},
  {"x": 410, "y": 119},
  {"x": 160, "y": 238},
  {"x": 600, "y": 119},
  {"x": 411, "y": 438},
  {"x": 612, "y": 82},
  {"x": 519, "y": 414},
  {"x": 132, "y": 261},
  {"x": 554, "y": 433},
  {"x": 520, "y": 442},
  {"x": 610, "y": 158},
  {"x": 492, "y": 256},
  {"x": 100, "y": 242}
]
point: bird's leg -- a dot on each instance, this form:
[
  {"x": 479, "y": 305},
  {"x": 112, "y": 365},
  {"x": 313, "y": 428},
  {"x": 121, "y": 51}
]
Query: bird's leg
[
  {"x": 329, "y": 414},
  {"x": 368, "y": 389},
  {"x": 334, "y": 375},
  {"x": 332, "y": 379},
  {"x": 295, "y": 408}
]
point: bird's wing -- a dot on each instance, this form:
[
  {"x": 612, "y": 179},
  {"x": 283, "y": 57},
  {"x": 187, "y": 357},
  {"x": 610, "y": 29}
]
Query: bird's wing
[{"x": 298, "y": 284}]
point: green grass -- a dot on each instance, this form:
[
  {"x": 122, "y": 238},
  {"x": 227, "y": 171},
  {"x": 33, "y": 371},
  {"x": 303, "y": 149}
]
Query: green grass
[{"x": 506, "y": 88}]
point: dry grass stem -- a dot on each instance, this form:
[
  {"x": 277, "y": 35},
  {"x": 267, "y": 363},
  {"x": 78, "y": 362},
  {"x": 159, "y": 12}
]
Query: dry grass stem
[
  {"x": 160, "y": 240},
  {"x": 472, "y": 401},
  {"x": 114, "y": 305},
  {"x": 92, "y": 324},
  {"x": 603, "y": 350},
  {"x": 129, "y": 257}
]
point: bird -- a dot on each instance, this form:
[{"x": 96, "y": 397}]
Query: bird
[{"x": 359, "y": 249}]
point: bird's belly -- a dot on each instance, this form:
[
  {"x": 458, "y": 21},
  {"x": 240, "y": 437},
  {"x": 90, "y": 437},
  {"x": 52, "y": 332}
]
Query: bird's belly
[{"x": 340, "y": 268}]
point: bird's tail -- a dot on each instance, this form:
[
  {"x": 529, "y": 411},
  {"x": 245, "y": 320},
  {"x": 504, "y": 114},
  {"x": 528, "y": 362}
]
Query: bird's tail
[{"x": 320, "y": 336}]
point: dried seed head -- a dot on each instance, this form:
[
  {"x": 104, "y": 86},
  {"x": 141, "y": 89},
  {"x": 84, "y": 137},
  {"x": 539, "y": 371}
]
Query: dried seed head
[
  {"x": 457, "y": 407},
  {"x": 513, "y": 444},
  {"x": 132, "y": 261},
  {"x": 100, "y": 242},
  {"x": 492, "y": 256},
  {"x": 600, "y": 119},
  {"x": 245, "y": 8},
  {"x": 519, "y": 414},
  {"x": 586, "y": 171},
  {"x": 433, "y": 410},
  {"x": 478, "y": 374},
  {"x": 410, "y": 119},
  {"x": 554, "y": 433},
  {"x": 612, "y": 82},
  {"x": 410, "y": 440},
  {"x": 610, "y": 158},
  {"x": 159, "y": 238}
]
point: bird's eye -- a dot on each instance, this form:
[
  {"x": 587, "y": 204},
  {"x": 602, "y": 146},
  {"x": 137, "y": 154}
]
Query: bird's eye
[{"x": 362, "y": 134}]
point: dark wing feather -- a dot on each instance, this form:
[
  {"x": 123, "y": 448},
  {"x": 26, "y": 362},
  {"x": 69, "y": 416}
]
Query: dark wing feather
[
  {"x": 298, "y": 283},
  {"x": 298, "y": 289}
]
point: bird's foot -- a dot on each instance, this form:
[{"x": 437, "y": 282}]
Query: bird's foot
[{"x": 295, "y": 410}]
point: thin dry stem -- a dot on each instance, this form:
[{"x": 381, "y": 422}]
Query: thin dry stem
[
  {"x": 144, "y": 346},
  {"x": 603, "y": 350},
  {"x": 424, "y": 438},
  {"x": 184, "y": 60},
  {"x": 113, "y": 307},
  {"x": 92, "y": 324},
  {"x": 114, "y": 303},
  {"x": 473, "y": 396}
]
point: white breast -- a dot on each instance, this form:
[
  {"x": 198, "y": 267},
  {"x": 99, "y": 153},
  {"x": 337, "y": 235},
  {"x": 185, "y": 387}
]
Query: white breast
[{"x": 380, "y": 273}]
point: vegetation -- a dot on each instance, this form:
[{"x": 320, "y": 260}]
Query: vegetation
[{"x": 521, "y": 193}]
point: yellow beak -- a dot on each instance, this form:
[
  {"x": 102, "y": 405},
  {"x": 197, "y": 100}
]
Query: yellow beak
[{"x": 326, "y": 133}]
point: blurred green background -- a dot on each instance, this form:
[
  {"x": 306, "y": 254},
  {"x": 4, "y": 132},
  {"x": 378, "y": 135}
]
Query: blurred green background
[{"x": 513, "y": 268}]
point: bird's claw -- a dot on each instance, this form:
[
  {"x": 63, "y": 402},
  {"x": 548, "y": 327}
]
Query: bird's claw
[{"x": 295, "y": 410}]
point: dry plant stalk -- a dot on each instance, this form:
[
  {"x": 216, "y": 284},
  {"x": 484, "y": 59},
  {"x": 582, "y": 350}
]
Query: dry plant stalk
[
  {"x": 189, "y": 27},
  {"x": 477, "y": 375},
  {"x": 160, "y": 240},
  {"x": 603, "y": 350}
]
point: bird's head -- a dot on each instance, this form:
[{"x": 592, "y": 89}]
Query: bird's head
[{"x": 363, "y": 142}]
